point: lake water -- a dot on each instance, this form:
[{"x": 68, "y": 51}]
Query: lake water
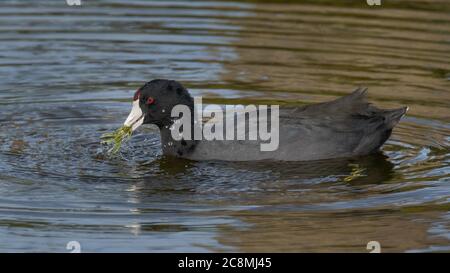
[{"x": 67, "y": 75}]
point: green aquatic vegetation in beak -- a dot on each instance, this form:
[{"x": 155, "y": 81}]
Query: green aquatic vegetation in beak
[{"x": 117, "y": 138}]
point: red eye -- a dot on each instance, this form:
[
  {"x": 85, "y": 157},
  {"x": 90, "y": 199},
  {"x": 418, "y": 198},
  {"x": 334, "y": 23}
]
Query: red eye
[
  {"x": 137, "y": 95},
  {"x": 150, "y": 100}
]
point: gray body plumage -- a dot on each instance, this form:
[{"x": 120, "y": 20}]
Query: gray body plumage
[{"x": 348, "y": 126}]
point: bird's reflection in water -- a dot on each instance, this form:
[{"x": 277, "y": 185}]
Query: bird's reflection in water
[
  {"x": 374, "y": 168},
  {"x": 215, "y": 179}
]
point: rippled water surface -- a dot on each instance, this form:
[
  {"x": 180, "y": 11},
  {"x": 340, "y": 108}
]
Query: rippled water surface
[{"x": 67, "y": 75}]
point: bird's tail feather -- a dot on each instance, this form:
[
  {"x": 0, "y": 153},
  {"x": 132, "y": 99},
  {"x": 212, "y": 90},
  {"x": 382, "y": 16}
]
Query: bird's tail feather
[{"x": 392, "y": 117}]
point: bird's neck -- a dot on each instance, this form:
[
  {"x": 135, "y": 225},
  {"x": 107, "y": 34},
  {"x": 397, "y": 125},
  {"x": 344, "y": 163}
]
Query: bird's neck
[{"x": 174, "y": 147}]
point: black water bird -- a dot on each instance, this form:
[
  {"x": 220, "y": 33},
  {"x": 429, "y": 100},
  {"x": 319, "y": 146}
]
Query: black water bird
[{"x": 345, "y": 127}]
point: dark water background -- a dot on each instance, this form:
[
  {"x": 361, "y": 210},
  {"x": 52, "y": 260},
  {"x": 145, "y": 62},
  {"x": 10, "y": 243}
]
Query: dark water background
[{"x": 67, "y": 75}]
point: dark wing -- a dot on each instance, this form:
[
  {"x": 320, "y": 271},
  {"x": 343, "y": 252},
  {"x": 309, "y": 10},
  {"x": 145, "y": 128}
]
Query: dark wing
[{"x": 366, "y": 126}]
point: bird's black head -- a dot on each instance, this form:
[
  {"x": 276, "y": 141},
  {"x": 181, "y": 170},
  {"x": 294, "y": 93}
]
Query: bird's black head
[{"x": 153, "y": 103}]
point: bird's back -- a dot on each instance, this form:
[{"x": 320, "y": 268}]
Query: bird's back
[{"x": 348, "y": 126}]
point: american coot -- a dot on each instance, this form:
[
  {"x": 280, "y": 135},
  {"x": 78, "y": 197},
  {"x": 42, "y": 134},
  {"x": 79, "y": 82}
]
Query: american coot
[{"x": 348, "y": 126}]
